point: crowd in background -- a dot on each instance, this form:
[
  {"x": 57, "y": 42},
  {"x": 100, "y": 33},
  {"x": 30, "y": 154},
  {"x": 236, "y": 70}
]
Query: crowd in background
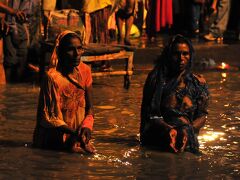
[
  {"x": 106, "y": 20},
  {"x": 194, "y": 18}
]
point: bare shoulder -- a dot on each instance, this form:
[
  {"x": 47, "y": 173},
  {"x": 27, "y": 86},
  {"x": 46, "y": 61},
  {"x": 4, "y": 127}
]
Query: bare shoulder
[{"x": 200, "y": 78}]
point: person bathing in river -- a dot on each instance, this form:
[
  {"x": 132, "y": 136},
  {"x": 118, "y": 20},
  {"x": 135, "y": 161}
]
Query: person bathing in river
[
  {"x": 175, "y": 101},
  {"x": 65, "y": 109}
]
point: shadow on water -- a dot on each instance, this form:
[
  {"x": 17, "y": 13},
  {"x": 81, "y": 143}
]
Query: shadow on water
[{"x": 128, "y": 141}]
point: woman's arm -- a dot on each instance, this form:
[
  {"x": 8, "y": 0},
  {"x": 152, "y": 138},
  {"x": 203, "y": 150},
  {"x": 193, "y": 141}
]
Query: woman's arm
[
  {"x": 5, "y": 9},
  {"x": 89, "y": 101},
  {"x": 160, "y": 122},
  {"x": 20, "y": 15},
  {"x": 87, "y": 125},
  {"x": 199, "y": 123},
  {"x": 200, "y": 115},
  {"x": 49, "y": 110},
  {"x": 146, "y": 107}
]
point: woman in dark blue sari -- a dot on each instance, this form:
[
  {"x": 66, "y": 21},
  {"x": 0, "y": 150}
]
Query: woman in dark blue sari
[{"x": 175, "y": 100}]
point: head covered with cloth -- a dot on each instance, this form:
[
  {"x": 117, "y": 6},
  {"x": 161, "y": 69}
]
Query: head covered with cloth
[
  {"x": 62, "y": 40},
  {"x": 175, "y": 100},
  {"x": 65, "y": 108}
]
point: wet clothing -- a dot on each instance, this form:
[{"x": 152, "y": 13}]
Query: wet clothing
[
  {"x": 173, "y": 99},
  {"x": 187, "y": 98},
  {"x": 61, "y": 102}
]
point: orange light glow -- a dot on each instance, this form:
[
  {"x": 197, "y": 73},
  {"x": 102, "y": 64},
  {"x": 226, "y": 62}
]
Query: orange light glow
[
  {"x": 211, "y": 136},
  {"x": 224, "y": 75},
  {"x": 223, "y": 66}
]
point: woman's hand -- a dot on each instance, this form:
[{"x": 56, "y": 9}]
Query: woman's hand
[
  {"x": 84, "y": 139},
  {"x": 173, "y": 139},
  {"x": 84, "y": 135},
  {"x": 199, "y": 123},
  {"x": 159, "y": 121},
  {"x": 184, "y": 120},
  {"x": 20, "y": 16}
]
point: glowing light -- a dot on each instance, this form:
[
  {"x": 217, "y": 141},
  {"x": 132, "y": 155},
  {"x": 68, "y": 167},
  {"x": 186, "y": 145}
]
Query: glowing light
[
  {"x": 207, "y": 138},
  {"x": 237, "y": 117},
  {"x": 224, "y": 126},
  {"x": 223, "y": 66},
  {"x": 117, "y": 160},
  {"x": 211, "y": 136},
  {"x": 231, "y": 128},
  {"x": 106, "y": 107},
  {"x": 224, "y": 75},
  {"x": 217, "y": 147},
  {"x": 222, "y": 139}
]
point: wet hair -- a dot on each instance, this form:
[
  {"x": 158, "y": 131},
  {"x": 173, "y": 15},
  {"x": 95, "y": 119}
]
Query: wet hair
[
  {"x": 167, "y": 52},
  {"x": 161, "y": 70}
]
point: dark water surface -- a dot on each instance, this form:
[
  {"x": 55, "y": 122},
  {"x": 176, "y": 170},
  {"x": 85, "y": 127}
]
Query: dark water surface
[{"x": 116, "y": 128}]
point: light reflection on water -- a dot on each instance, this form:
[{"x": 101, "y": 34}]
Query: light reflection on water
[{"x": 116, "y": 136}]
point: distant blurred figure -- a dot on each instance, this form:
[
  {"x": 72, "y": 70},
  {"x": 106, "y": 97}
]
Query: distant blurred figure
[
  {"x": 126, "y": 10},
  {"x": 15, "y": 39},
  {"x": 234, "y": 19},
  {"x": 180, "y": 13},
  {"x": 197, "y": 7},
  {"x": 47, "y": 8},
  {"x": 99, "y": 12},
  {"x": 219, "y": 26},
  {"x": 159, "y": 14}
]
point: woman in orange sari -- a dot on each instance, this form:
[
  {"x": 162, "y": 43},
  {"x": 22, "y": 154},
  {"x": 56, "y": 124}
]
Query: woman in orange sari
[{"x": 65, "y": 109}]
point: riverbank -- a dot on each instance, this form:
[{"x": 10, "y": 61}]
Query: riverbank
[{"x": 205, "y": 52}]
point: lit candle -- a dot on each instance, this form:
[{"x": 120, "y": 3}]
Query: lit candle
[{"x": 224, "y": 66}]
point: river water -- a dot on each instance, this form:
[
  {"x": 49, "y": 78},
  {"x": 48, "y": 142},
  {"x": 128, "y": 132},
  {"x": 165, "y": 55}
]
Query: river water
[{"x": 116, "y": 138}]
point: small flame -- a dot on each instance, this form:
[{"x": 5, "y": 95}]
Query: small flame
[
  {"x": 224, "y": 75},
  {"x": 224, "y": 66}
]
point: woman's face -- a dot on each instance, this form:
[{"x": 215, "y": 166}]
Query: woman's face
[
  {"x": 180, "y": 57},
  {"x": 72, "y": 52}
]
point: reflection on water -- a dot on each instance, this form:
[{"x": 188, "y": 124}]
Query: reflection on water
[{"x": 116, "y": 136}]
